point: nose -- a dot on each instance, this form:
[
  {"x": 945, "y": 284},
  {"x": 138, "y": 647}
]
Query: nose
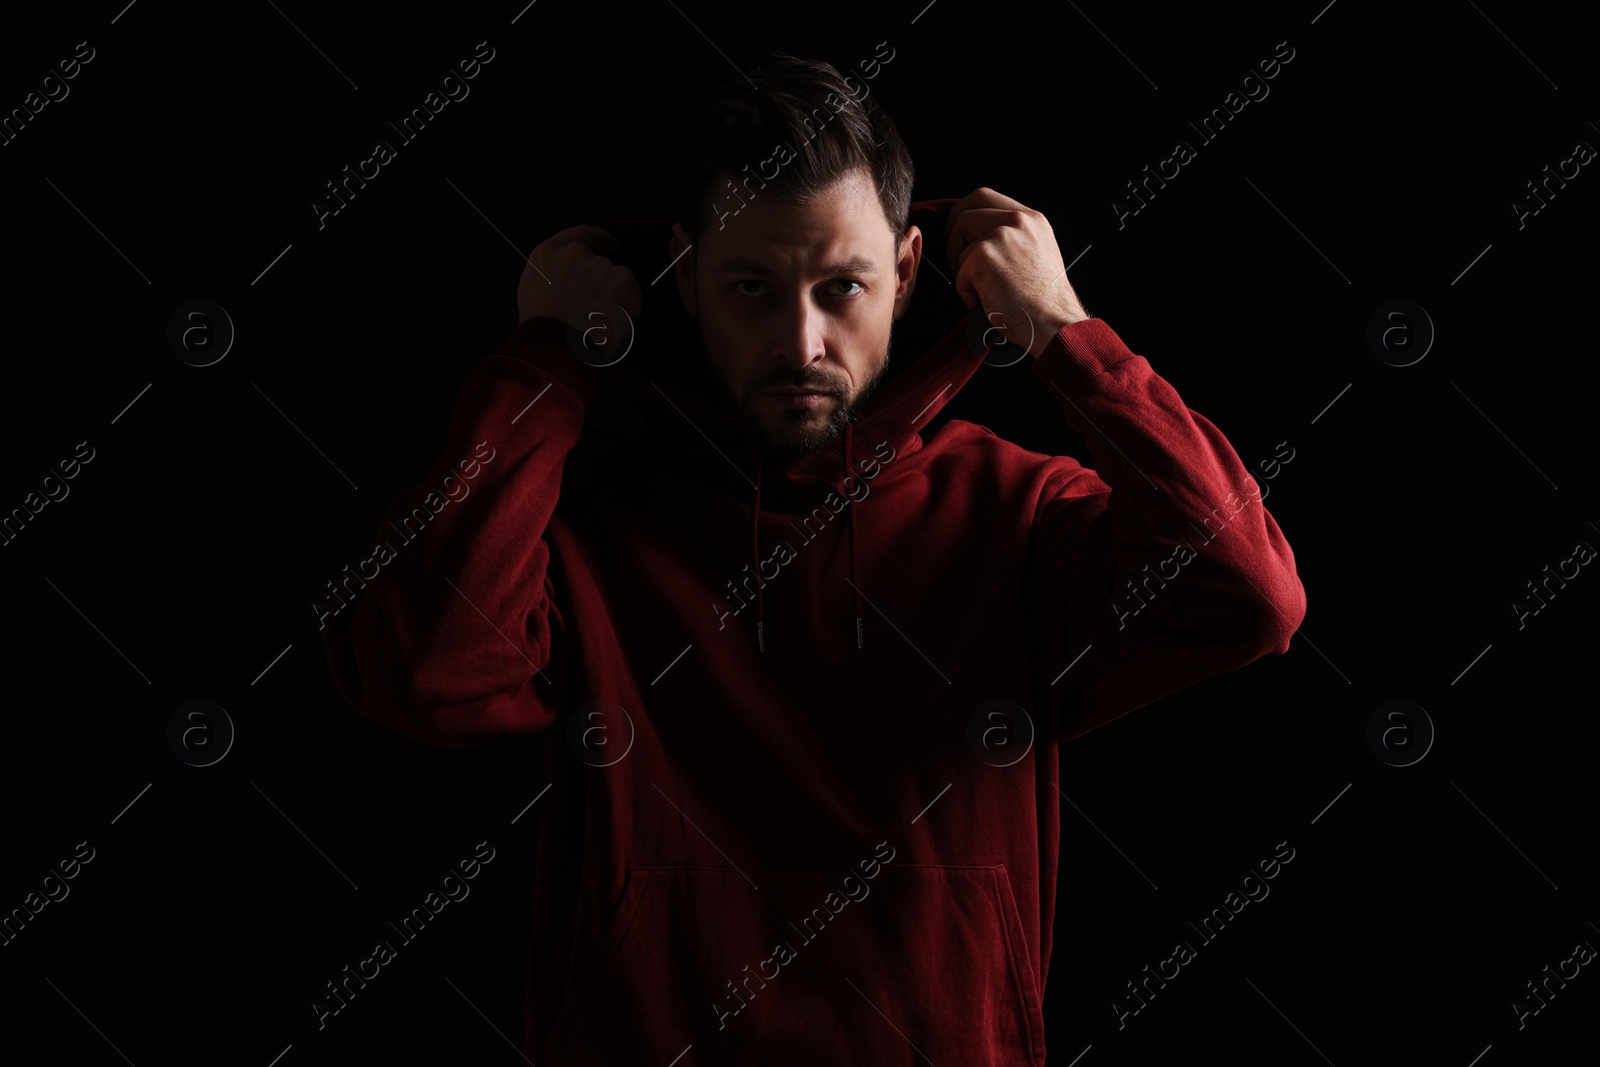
[{"x": 799, "y": 339}]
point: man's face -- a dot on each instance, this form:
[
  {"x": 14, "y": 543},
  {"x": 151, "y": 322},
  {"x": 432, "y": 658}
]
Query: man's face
[{"x": 795, "y": 304}]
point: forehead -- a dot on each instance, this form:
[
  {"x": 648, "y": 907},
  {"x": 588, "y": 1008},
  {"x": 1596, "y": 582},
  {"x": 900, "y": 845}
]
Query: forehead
[{"x": 844, "y": 222}]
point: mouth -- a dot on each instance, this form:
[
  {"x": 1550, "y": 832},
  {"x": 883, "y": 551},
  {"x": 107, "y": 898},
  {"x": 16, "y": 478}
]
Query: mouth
[{"x": 796, "y": 398}]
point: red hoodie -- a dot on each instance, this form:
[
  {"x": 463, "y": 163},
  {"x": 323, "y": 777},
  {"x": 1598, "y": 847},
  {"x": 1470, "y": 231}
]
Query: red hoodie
[{"x": 803, "y": 803}]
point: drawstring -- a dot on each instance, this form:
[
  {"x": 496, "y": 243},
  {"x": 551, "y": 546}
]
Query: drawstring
[
  {"x": 755, "y": 544},
  {"x": 755, "y": 553},
  {"x": 849, "y": 469}
]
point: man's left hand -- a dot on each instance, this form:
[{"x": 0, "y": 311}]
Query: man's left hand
[{"x": 1005, "y": 257}]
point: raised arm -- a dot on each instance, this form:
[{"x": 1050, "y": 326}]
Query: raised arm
[
  {"x": 450, "y": 639},
  {"x": 1160, "y": 566}
]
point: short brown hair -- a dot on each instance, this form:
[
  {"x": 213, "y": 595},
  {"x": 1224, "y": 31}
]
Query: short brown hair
[{"x": 807, "y": 107}]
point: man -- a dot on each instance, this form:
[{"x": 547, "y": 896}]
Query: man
[{"x": 812, "y": 664}]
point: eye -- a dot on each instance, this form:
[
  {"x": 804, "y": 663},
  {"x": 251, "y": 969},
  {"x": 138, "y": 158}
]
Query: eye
[
  {"x": 851, "y": 281},
  {"x": 747, "y": 281}
]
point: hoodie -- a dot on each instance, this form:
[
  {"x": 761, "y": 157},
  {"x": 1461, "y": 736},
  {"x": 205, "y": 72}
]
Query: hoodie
[{"x": 805, "y": 717}]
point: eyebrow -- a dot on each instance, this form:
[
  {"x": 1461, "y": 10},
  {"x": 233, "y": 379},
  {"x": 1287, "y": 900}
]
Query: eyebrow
[{"x": 746, "y": 265}]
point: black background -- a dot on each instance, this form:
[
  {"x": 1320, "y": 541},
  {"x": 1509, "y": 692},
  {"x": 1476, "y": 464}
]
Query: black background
[{"x": 1382, "y": 164}]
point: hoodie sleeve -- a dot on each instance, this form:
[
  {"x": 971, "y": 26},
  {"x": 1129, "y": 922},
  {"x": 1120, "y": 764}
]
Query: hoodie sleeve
[
  {"x": 451, "y": 641},
  {"x": 1161, "y": 566}
]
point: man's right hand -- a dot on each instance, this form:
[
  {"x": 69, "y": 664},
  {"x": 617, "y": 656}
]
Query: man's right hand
[{"x": 574, "y": 272}]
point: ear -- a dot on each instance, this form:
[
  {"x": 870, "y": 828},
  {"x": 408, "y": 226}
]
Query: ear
[
  {"x": 683, "y": 268},
  {"x": 910, "y": 254}
]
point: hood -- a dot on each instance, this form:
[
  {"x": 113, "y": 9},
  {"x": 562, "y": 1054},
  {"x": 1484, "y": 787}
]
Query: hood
[{"x": 663, "y": 397}]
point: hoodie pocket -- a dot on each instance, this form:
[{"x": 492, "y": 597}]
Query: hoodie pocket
[{"x": 807, "y": 965}]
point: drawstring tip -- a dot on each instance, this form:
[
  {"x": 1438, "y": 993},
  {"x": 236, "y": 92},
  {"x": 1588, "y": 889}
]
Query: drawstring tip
[
  {"x": 761, "y": 639},
  {"x": 860, "y": 633}
]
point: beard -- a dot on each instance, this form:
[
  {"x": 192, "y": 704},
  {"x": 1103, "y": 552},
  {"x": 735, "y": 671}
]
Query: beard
[{"x": 790, "y": 433}]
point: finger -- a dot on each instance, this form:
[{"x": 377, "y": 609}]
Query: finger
[
  {"x": 974, "y": 224},
  {"x": 597, "y": 239}
]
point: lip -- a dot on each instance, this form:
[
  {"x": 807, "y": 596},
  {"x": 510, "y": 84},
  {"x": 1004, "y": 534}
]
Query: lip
[{"x": 796, "y": 398}]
